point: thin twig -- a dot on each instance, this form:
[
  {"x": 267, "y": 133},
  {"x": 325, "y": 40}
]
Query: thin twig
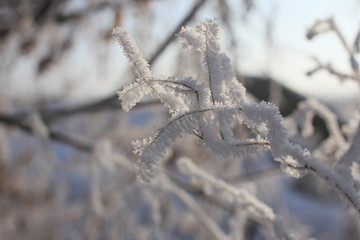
[
  {"x": 328, "y": 67},
  {"x": 330, "y": 25},
  {"x": 200, "y": 214},
  {"x": 54, "y": 135}
]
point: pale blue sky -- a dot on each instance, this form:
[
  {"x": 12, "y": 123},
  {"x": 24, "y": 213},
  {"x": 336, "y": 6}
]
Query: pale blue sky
[{"x": 292, "y": 51}]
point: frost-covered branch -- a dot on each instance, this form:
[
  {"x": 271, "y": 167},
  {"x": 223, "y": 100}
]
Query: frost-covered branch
[
  {"x": 139, "y": 64},
  {"x": 232, "y": 198},
  {"x": 294, "y": 160},
  {"x": 212, "y": 228},
  {"x": 304, "y": 116},
  {"x": 213, "y": 113},
  {"x": 151, "y": 150}
]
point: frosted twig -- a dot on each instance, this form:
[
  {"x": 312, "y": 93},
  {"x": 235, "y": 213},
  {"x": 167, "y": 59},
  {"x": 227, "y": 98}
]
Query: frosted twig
[
  {"x": 312, "y": 106},
  {"x": 329, "y": 24},
  {"x": 340, "y": 184},
  {"x": 204, "y": 219},
  {"x": 232, "y": 197},
  {"x": 140, "y": 65},
  {"x": 212, "y": 119}
]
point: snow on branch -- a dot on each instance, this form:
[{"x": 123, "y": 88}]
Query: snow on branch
[
  {"x": 303, "y": 117},
  {"x": 232, "y": 197},
  {"x": 210, "y": 108},
  {"x": 294, "y": 160},
  {"x": 139, "y": 64}
]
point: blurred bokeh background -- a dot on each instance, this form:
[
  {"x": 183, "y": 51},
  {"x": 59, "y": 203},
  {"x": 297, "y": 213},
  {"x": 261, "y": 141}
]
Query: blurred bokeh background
[{"x": 66, "y": 161}]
